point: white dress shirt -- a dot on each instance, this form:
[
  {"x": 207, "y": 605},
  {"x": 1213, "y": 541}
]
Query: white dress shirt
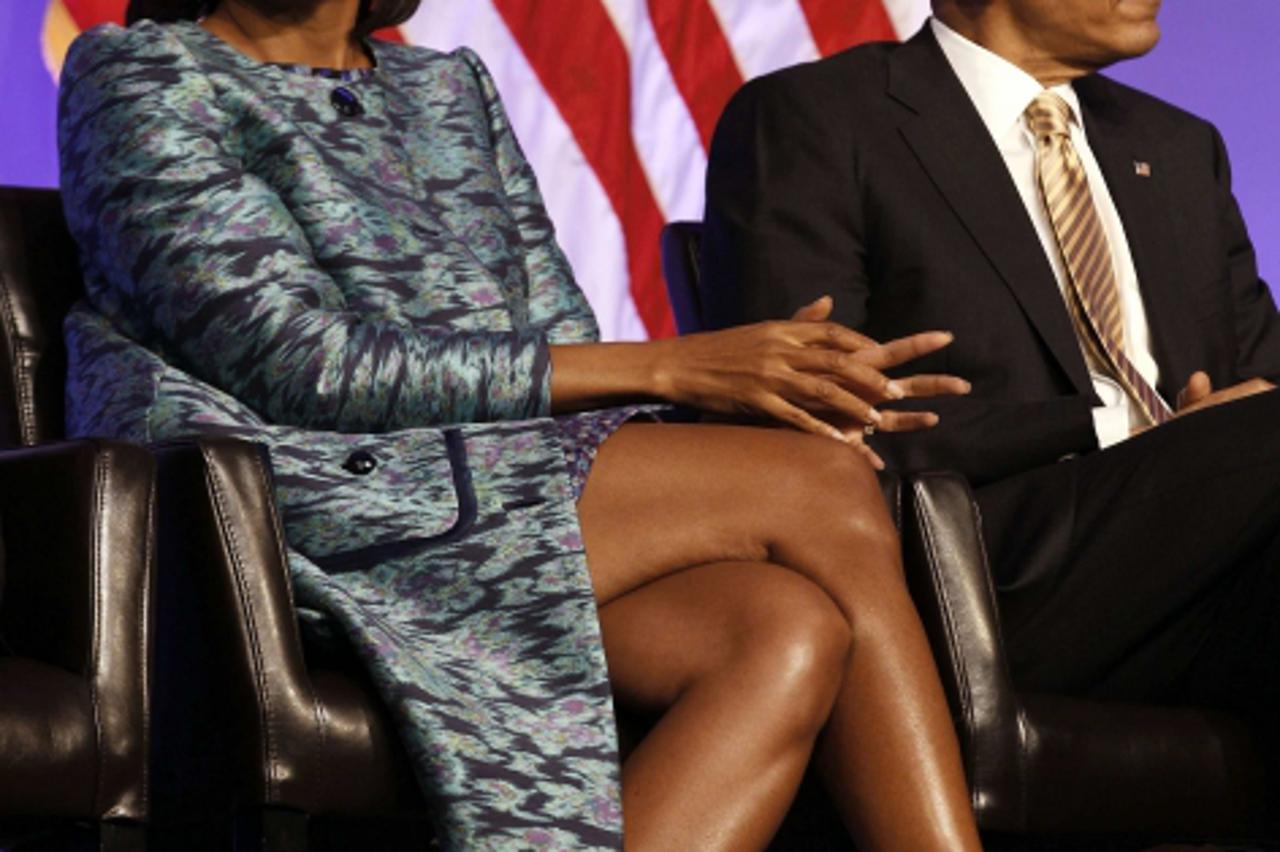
[{"x": 1001, "y": 92}]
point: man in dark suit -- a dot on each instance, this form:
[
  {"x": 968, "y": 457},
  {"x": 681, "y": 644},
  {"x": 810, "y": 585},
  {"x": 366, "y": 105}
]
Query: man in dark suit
[{"x": 1081, "y": 240}]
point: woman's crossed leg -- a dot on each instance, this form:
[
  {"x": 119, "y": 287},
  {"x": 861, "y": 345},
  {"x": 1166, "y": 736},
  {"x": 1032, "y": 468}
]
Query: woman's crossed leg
[{"x": 750, "y": 585}]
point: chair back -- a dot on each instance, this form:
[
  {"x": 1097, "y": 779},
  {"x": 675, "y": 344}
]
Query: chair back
[
  {"x": 681, "y": 244},
  {"x": 40, "y": 280}
]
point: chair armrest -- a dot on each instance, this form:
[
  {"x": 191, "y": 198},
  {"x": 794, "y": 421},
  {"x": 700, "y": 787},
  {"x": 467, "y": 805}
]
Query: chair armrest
[
  {"x": 78, "y": 536},
  {"x": 1180, "y": 771},
  {"x": 946, "y": 567},
  {"x": 223, "y": 559}
]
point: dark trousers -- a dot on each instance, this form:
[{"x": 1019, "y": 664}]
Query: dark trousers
[{"x": 1149, "y": 571}]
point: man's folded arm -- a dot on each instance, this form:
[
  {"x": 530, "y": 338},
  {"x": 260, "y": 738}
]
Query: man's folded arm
[{"x": 986, "y": 439}]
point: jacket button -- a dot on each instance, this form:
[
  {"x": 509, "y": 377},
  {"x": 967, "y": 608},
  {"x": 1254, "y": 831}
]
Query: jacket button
[{"x": 360, "y": 462}]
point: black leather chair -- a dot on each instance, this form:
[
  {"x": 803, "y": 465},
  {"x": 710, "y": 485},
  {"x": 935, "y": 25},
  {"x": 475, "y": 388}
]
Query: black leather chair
[
  {"x": 245, "y": 721},
  {"x": 1040, "y": 765},
  {"x": 76, "y": 586}
]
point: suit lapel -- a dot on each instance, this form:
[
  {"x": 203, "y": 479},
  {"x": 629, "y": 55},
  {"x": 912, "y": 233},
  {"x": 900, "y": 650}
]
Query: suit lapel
[
  {"x": 1137, "y": 173},
  {"x": 956, "y": 151}
]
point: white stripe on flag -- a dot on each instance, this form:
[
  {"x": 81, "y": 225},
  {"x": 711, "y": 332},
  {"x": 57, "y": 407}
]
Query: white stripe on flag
[
  {"x": 588, "y": 229},
  {"x": 765, "y": 36},
  {"x": 663, "y": 129}
]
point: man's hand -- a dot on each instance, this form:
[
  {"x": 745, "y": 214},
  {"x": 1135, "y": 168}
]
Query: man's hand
[{"x": 1199, "y": 393}]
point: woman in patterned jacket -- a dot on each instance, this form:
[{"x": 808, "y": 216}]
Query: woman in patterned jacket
[{"x": 334, "y": 247}]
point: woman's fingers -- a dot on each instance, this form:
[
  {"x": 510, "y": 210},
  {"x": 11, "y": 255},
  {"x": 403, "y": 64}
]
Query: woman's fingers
[
  {"x": 904, "y": 349},
  {"x": 906, "y": 421},
  {"x": 792, "y": 415},
  {"x": 823, "y": 394},
  {"x": 933, "y": 385},
  {"x": 844, "y": 369},
  {"x": 865, "y": 449},
  {"x": 796, "y": 417},
  {"x": 829, "y": 334}
]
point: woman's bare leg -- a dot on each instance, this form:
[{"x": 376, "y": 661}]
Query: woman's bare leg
[
  {"x": 743, "y": 660},
  {"x": 664, "y": 497}
]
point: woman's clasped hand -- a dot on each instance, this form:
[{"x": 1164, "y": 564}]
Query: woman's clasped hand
[{"x": 808, "y": 372}]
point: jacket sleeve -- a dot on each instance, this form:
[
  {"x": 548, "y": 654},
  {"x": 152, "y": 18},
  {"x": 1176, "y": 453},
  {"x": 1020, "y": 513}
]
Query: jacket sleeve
[
  {"x": 1257, "y": 325},
  {"x": 785, "y": 224},
  {"x": 202, "y": 262},
  {"x": 556, "y": 304}
]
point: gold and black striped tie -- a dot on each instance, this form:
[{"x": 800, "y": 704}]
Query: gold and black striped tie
[{"x": 1093, "y": 297}]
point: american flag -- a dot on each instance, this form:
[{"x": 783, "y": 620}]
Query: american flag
[{"x": 614, "y": 102}]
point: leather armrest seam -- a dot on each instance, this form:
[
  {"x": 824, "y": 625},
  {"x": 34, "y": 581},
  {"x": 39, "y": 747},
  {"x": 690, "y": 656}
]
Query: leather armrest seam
[
  {"x": 1020, "y": 715},
  {"x": 264, "y": 484},
  {"x": 25, "y": 405},
  {"x": 966, "y": 702},
  {"x": 95, "y": 653},
  {"x": 144, "y": 629},
  {"x": 246, "y": 604}
]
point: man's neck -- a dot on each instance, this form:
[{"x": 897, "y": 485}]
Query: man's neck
[
  {"x": 315, "y": 33},
  {"x": 999, "y": 34}
]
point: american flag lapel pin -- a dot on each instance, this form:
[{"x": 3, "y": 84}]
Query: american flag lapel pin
[{"x": 1142, "y": 168}]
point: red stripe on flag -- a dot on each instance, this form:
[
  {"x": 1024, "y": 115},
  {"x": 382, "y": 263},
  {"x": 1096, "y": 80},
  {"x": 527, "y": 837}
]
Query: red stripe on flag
[
  {"x": 584, "y": 68},
  {"x": 90, "y": 13},
  {"x": 700, "y": 58},
  {"x": 839, "y": 24}
]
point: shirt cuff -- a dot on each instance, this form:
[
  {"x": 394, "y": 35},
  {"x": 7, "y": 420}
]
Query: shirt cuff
[{"x": 1111, "y": 425}]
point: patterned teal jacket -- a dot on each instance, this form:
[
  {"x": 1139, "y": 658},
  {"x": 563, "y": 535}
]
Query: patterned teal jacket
[{"x": 260, "y": 264}]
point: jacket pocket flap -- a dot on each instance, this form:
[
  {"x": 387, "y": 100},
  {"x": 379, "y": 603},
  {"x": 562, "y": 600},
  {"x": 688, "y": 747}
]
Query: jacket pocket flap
[{"x": 351, "y": 501}]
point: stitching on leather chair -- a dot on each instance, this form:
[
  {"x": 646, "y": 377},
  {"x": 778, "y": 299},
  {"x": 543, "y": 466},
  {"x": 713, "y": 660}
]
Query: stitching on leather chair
[
  {"x": 966, "y": 702},
  {"x": 144, "y": 626},
  {"x": 246, "y": 606},
  {"x": 265, "y": 487},
  {"x": 99, "y": 501},
  {"x": 323, "y": 724},
  {"x": 1024, "y": 794},
  {"x": 1024, "y": 801},
  {"x": 26, "y": 403}
]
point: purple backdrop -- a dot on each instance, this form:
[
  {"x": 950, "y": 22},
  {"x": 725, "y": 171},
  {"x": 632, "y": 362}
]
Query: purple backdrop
[
  {"x": 28, "y": 155},
  {"x": 1218, "y": 59}
]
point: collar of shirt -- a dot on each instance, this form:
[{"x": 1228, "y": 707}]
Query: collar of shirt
[{"x": 1000, "y": 90}]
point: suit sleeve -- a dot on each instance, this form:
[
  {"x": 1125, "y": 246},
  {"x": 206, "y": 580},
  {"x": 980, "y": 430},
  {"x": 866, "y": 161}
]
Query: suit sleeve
[
  {"x": 1257, "y": 326},
  {"x": 556, "y": 304},
  {"x": 786, "y": 223},
  {"x": 204, "y": 263}
]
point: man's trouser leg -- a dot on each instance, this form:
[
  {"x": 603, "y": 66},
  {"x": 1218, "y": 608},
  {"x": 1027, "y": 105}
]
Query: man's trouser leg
[{"x": 1149, "y": 571}]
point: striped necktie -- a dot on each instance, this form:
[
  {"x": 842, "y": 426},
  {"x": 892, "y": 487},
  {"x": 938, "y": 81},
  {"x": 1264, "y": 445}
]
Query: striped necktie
[{"x": 1093, "y": 297}]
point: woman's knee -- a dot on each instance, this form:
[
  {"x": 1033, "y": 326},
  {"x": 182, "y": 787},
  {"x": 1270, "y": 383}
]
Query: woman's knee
[
  {"x": 795, "y": 644},
  {"x": 834, "y": 501}
]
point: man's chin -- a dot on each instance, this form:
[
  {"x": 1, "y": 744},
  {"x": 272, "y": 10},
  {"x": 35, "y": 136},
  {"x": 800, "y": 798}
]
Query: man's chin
[
  {"x": 1144, "y": 41},
  {"x": 1138, "y": 18},
  {"x": 1132, "y": 41}
]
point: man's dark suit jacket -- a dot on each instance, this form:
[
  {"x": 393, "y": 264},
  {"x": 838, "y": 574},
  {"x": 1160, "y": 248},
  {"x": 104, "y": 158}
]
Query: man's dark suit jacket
[{"x": 869, "y": 176}]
